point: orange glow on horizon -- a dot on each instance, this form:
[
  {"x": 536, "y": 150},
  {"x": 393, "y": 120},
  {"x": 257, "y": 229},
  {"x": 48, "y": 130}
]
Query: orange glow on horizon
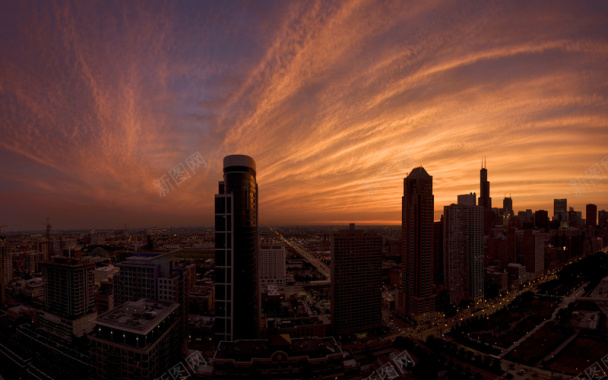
[{"x": 97, "y": 104}]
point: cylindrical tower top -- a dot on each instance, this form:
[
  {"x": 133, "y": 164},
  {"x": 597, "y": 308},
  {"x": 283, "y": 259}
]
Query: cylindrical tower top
[{"x": 236, "y": 160}]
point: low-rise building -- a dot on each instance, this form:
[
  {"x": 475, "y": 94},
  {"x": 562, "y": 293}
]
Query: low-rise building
[{"x": 279, "y": 357}]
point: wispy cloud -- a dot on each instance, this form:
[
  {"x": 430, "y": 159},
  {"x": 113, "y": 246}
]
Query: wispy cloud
[{"x": 97, "y": 101}]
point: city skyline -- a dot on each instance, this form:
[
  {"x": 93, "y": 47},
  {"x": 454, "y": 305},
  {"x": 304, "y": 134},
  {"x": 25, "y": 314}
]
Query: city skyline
[{"x": 98, "y": 103}]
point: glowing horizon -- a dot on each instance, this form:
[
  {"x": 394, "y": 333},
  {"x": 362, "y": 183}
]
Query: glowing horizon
[{"x": 98, "y": 102}]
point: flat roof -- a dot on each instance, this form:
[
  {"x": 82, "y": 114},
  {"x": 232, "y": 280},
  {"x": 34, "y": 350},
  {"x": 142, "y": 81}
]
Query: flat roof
[
  {"x": 147, "y": 316},
  {"x": 246, "y": 350}
]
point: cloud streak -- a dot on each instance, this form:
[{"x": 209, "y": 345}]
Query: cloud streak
[{"x": 99, "y": 100}]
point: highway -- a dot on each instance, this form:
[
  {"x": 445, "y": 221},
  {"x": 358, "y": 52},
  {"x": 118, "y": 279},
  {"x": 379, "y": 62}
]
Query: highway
[{"x": 308, "y": 256}]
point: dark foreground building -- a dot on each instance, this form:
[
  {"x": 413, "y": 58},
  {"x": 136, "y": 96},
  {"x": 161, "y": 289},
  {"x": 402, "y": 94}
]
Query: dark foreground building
[
  {"x": 237, "y": 296},
  {"x": 137, "y": 340},
  {"x": 356, "y": 281}
]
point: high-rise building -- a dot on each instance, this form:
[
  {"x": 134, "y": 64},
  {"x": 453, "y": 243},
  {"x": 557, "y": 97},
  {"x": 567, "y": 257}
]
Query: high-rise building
[
  {"x": 560, "y": 209},
  {"x": 70, "y": 286},
  {"x": 464, "y": 252},
  {"x": 467, "y": 199},
  {"x": 602, "y": 219},
  {"x": 356, "y": 281},
  {"x": 153, "y": 277},
  {"x": 237, "y": 295},
  {"x": 150, "y": 276},
  {"x": 272, "y": 264},
  {"x": 484, "y": 187},
  {"x": 136, "y": 340},
  {"x": 541, "y": 219},
  {"x": 69, "y": 296},
  {"x": 507, "y": 205},
  {"x": 417, "y": 228},
  {"x": 484, "y": 198},
  {"x": 591, "y": 215},
  {"x": 534, "y": 253},
  {"x": 575, "y": 218},
  {"x": 438, "y": 259}
]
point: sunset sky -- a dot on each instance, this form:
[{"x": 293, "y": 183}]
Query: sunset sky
[{"x": 99, "y": 99}]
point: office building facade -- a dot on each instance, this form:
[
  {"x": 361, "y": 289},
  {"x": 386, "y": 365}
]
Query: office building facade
[
  {"x": 356, "y": 281},
  {"x": 464, "y": 252},
  {"x": 272, "y": 265},
  {"x": 417, "y": 229}
]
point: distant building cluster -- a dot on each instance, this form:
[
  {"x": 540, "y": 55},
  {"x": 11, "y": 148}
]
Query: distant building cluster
[{"x": 240, "y": 301}]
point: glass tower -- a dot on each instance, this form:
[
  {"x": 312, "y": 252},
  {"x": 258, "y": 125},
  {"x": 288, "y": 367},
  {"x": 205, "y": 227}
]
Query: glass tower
[{"x": 237, "y": 296}]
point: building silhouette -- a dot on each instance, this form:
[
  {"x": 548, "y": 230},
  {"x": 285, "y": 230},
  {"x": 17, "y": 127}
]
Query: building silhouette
[
  {"x": 541, "y": 219},
  {"x": 237, "y": 295},
  {"x": 356, "y": 281},
  {"x": 560, "y": 209},
  {"x": 602, "y": 217},
  {"x": 534, "y": 253},
  {"x": 591, "y": 215},
  {"x": 464, "y": 252},
  {"x": 484, "y": 198},
  {"x": 507, "y": 205},
  {"x": 467, "y": 199},
  {"x": 418, "y": 296},
  {"x": 484, "y": 188}
]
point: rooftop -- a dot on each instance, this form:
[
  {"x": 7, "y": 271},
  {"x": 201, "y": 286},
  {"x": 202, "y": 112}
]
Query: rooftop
[
  {"x": 246, "y": 350},
  {"x": 418, "y": 172},
  {"x": 138, "y": 317}
]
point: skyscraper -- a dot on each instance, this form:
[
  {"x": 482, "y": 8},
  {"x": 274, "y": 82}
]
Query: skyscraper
[
  {"x": 484, "y": 187},
  {"x": 507, "y": 205},
  {"x": 463, "y": 252},
  {"x": 560, "y": 209},
  {"x": 602, "y": 218},
  {"x": 541, "y": 219},
  {"x": 417, "y": 228},
  {"x": 237, "y": 296},
  {"x": 591, "y": 215},
  {"x": 484, "y": 198},
  {"x": 534, "y": 253},
  {"x": 356, "y": 281}
]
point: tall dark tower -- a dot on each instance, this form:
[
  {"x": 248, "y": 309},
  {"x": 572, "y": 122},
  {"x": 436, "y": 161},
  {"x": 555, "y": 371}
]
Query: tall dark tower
[
  {"x": 484, "y": 187},
  {"x": 418, "y": 236},
  {"x": 237, "y": 296},
  {"x": 484, "y": 198},
  {"x": 507, "y": 205},
  {"x": 356, "y": 281},
  {"x": 591, "y": 215}
]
